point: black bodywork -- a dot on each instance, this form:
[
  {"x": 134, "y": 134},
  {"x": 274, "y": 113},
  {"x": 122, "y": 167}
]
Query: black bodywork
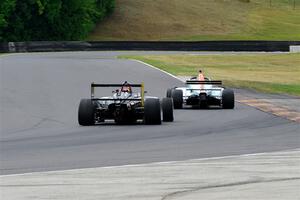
[
  {"x": 203, "y": 100},
  {"x": 122, "y": 111}
]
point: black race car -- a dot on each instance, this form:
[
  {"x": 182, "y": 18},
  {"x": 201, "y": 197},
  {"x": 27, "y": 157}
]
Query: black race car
[{"x": 124, "y": 107}]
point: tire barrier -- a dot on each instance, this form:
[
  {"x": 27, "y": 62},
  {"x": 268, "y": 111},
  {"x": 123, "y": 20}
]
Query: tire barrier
[{"x": 49, "y": 46}]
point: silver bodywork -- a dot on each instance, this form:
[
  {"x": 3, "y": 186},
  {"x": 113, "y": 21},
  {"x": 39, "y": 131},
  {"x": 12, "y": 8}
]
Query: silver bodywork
[{"x": 210, "y": 90}]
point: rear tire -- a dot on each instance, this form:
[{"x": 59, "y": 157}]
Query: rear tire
[
  {"x": 167, "y": 109},
  {"x": 228, "y": 99},
  {"x": 177, "y": 96},
  {"x": 86, "y": 112},
  {"x": 152, "y": 112},
  {"x": 169, "y": 93}
]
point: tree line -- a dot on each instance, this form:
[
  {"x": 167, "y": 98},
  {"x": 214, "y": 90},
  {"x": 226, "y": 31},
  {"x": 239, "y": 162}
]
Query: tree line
[{"x": 36, "y": 20}]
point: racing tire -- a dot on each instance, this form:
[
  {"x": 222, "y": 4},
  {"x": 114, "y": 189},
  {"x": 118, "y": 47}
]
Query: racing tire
[
  {"x": 177, "y": 96},
  {"x": 228, "y": 99},
  {"x": 86, "y": 112},
  {"x": 152, "y": 111},
  {"x": 169, "y": 93},
  {"x": 167, "y": 109}
]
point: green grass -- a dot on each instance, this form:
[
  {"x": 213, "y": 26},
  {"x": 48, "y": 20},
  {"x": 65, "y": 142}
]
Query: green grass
[
  {"x": 201, "y": 20},
  {"x": 271, "y": 73}
]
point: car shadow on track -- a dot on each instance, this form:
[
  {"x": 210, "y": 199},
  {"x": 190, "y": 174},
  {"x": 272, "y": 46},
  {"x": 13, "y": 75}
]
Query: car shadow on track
[
  {"x": 138, "y": 123},
  {"x": 201, "y": 108}
]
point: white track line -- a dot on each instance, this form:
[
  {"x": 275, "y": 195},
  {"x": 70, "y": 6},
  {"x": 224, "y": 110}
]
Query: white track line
[
  {"x": 158, "y": 163},
  {"x": 157, "y": 69}
]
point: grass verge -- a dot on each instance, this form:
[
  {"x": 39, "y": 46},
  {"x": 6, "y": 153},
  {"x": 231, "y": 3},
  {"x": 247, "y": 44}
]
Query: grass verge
[
  {"x": 195, "y": 20},
  {"x": 271, "y": 73}
]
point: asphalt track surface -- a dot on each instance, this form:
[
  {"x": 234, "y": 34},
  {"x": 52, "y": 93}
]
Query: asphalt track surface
[{"x": 39, "y": 99}]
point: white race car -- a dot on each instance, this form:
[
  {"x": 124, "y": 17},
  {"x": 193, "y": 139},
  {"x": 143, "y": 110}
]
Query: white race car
[{"x": 203, "y": 94}]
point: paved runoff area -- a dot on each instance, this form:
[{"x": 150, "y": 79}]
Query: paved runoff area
[
  {"x": 258, "y": 176},
  {"x": 284, "y": 106},
  {"x": 268, "y": 106}
]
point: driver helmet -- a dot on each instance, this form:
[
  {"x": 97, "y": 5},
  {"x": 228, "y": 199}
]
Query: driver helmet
[{"x": 126, "y": 87}]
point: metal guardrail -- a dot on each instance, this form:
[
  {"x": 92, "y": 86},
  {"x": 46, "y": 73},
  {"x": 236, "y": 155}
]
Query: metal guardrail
[{"x": 49, "y": 46}]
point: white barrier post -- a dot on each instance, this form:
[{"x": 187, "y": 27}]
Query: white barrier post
[
  {"x": 295, "y": 49},
  {"x": 11, "y": 47}
]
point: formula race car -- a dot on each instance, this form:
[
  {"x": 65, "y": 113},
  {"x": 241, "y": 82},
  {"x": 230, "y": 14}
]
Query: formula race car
[
  {"x": 124, "y": 107},
  {"x": 203, "y": 94}
]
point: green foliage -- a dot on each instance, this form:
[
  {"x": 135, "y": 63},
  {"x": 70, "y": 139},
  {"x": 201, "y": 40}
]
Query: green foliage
[
  {"x": 6, "y": 8},
  {"x": 27, "y": 20}
]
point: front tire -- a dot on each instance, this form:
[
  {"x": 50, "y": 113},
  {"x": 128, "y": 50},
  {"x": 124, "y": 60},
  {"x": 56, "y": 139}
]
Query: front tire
[
  {"x": 167, "y": 109},
  {"x": 86, "y": 112},
  {"x": 177, "y": 96},
  {"x": 228, "y": 99},
  {"x": 152, "y": 114}
]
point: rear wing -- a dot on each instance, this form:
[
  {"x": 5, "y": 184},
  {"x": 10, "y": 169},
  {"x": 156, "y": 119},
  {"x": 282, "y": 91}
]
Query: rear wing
[
  {"x": 94, "y": 85},
  {"x": 196, "y": 82}
]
